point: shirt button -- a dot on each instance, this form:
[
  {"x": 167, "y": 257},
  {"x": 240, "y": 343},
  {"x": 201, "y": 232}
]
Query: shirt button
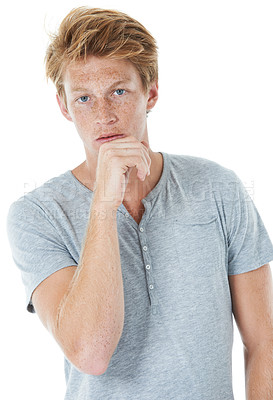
[
  {"x": 126, "y": 215},
  {"x": 148, "y": 266},
  {"x": 151, "y": 286},
  {"x": 144, "y": 248},
  {"x": 141, "y": 229}
]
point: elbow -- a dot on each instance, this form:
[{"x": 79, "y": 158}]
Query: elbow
[
  {"x": 86, "y": 363},
  {"x": 90, "y": 357},
  {"x": 93, "y": 358},
  {"x": 78, "y": 352}
]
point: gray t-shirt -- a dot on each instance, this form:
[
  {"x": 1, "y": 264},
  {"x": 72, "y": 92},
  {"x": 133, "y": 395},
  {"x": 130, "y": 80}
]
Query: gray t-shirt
[{"x": 200, "y": 225}]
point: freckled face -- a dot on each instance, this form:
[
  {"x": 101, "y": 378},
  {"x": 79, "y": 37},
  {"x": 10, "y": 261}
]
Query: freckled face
[{"x": 105, "y": 96}]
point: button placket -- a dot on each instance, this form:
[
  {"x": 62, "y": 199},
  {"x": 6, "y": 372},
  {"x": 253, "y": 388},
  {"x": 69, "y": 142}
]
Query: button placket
[{"x": 145, "y": 253}]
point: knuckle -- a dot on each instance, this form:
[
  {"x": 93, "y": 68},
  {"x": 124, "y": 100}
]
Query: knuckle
[
  {"x": 137, "y": 145},
  {"x": 104, "y": 146},
  {"x": 108, "y": 151},
  {"x": 113, "y": 161}
]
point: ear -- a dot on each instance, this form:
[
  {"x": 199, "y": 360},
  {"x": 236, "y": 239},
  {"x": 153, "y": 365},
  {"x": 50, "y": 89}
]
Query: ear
[
  {"x": 63, "y": 108},
  {"x": 152, "y": 96}
]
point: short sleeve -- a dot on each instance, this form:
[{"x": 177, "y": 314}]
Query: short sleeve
[
  {"x": 37, "y": 248},
  {"x": 249, "y": 245}
]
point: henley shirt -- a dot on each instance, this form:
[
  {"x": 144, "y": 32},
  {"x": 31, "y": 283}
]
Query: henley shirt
[{"x": 199, "y": 226}]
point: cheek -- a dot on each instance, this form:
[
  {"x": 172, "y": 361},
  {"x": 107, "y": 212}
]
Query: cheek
[
  {"x": 81, "y": 119},
  {"x": 133, "y": 115}
]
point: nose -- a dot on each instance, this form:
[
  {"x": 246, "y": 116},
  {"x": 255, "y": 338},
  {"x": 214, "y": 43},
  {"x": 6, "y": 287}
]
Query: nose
[{"x": 105, "y": 113}]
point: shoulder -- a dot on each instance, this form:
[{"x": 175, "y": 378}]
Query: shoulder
[
  {"x": 193, "y": 168},
  {"x": 42, "y": 198},
  {"x": 204, "y": 181}
]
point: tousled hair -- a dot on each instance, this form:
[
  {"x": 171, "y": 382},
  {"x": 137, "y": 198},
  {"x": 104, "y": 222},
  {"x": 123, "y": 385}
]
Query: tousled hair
[{"x": 103, "y": 33}]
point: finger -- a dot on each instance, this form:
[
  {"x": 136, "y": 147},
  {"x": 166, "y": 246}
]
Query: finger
[
  {"x": 127, "y": 139},
  {"x": 127, "y": 146},
  {"x": 138, "y": 162},
  {"x": 146, "y": 144},
  {"x": 132, "y": 153}
]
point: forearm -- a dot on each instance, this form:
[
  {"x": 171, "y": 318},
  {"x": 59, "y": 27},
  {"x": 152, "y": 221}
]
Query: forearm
[
  {"x": 259, "y": 372},
  {"x": 91, "y": 315}
]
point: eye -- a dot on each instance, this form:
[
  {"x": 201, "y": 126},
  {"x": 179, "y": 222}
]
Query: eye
[
  {"x": 83, "y": 99},
  {"x": 119, "y": 92}
]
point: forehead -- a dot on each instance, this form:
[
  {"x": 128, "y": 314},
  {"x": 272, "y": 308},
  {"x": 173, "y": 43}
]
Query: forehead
[{"x": 100, "y": 71}]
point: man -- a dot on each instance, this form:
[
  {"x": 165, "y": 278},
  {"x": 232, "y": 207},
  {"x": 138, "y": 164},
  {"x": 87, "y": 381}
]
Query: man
[{"x": 135, "y": 260}]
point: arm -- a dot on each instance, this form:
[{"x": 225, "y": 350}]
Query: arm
[
  {"x": 85, "y": 312},
  {"x": 252, "y": 300},
  {"x": 94, "y": 305},
  {"x": 83, "y": 307}
]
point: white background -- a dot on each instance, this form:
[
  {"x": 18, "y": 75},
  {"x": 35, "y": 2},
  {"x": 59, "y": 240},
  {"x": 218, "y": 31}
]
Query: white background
[{"x": 216, "y": 85}]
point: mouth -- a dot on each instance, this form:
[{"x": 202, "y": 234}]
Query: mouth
[{"x": 107, "y": 138}]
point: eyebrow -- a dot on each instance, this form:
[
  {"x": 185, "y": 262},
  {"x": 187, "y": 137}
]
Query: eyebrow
[
  {"x": 78, "y": 89},
  {"x": 83, "y": 89}
]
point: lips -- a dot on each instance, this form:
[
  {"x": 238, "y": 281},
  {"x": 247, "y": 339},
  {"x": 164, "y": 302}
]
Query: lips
[{"x": 109, "y": 137}]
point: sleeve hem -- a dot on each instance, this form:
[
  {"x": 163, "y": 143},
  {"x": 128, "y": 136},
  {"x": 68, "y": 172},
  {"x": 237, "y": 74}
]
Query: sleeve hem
[
  {"x": 29, "y": 305},
  {"x": 249, "y": 269}
]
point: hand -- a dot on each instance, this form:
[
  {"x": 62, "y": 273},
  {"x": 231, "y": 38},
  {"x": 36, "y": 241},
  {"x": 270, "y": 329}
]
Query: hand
[{"x": 116, "y": 160}]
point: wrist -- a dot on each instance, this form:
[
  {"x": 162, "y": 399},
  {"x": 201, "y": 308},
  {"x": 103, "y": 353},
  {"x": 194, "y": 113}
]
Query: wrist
[
  {"x": 103, "y": 208},
  {"x": 103, "y": 203}
]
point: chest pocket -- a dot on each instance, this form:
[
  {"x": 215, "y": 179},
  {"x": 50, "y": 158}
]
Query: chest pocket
[{"x": 198, "y": 246}]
